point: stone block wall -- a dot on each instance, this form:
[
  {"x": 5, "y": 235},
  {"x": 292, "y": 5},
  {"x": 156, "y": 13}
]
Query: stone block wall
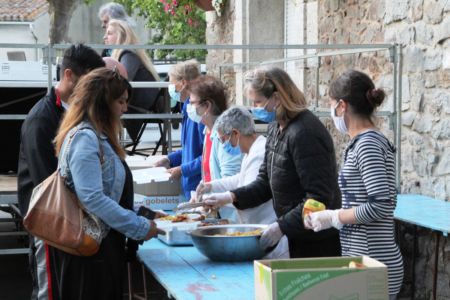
[{"x": 422, "y": 27}]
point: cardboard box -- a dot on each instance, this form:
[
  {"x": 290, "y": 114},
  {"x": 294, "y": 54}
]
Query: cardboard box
[
  {"x": 321, "y": 279},
  {"x": 137, "y": 162},
  {"x": 155, "y": 182},
  {"x": 158, "y": 202}
]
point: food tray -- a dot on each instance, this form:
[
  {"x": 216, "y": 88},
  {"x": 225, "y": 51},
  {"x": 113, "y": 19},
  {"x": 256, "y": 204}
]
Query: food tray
[{"x": 176, "y": 237}]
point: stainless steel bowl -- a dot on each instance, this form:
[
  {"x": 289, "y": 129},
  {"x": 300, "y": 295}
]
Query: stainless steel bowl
[{"x": 228, "y": 248}]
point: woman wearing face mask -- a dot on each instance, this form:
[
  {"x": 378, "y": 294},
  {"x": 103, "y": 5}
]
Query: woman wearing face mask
[
  {"x": 236, "y": 130},
  {"x": 366, "y": 180},
  {"x": 299, "y": 163},
  {"x": 207, "y": 103},
  {"x": 186, "y": 162}
]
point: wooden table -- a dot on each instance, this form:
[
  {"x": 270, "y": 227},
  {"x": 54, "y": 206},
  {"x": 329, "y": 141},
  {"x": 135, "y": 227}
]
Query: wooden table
[
  {"x": 186, "y": 274},
  {"x": 429, "y": 213}
]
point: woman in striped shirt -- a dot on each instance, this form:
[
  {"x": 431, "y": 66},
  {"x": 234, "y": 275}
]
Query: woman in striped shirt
[{"x": 366, "y": 180}]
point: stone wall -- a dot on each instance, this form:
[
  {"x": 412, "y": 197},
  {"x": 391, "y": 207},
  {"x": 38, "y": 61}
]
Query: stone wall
[{"x": 422, "y": 27}]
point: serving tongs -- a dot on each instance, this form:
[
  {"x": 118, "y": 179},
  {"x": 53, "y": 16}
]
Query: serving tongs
[{"x": 187, "y": 206}]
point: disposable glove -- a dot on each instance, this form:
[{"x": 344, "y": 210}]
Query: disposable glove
[
  {"x": 271, "y": 236},
  {"x": 217, "y": 200},
  {"x": 325, "y": 219},
  {"x": 202, "y": 189}
]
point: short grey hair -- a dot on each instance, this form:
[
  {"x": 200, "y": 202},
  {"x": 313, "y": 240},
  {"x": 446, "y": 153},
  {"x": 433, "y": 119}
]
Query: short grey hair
[
  {"x": 115, "y": 11},
  {"x": 187, "y": 70},
  {"x": 235, "y": 117}
]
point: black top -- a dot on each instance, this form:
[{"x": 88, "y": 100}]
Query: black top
[
  {"x": 143, "y": 98},
  {"x": 37, "y": 159},
  {"x": 299, "y": 163}
]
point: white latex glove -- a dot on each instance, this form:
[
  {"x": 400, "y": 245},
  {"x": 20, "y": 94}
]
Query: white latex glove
[
  {"x": 202, "y": 188},
  {"x": 325, "y": 219},
  {"x": 218, "y": 199},
  {"x": 271, "y": 236}
]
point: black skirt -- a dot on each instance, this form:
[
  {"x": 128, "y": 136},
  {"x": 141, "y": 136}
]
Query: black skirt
[{"x": 100, "y": 276}]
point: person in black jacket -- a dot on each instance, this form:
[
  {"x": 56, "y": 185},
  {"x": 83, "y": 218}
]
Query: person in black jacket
[
  {"x": 139, "y": 68},
  {"x": 299, "y": 164},
  {"x": 37, "y": 159}
]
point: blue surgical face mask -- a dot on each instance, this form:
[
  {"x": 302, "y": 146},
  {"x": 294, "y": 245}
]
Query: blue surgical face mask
[
  {"x": 174, "y": 95},
  {"x": 230, "y": 149},
  {"x": 192, "y": 113},
  {"x": 262, "y": 114}
]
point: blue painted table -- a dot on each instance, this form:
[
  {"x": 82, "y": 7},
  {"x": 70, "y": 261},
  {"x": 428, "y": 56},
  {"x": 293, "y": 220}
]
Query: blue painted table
[
  {"x": 426, "y": 212},
  {"x": 186, "y": 274}
]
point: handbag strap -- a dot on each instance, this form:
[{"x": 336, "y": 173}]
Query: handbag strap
[{"x": 66, "y": 149}]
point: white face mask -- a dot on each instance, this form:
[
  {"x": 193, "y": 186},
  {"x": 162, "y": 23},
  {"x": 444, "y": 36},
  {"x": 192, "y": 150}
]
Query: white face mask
[
  {"x": 192, "y": 113},
  {"x": 339, "y": 122}
]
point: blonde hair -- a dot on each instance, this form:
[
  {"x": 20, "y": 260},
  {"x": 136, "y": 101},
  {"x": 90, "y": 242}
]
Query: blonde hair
[
  {"x": 92, "y": 100},
  {"x": 266, "y": 81},
  {"x": 187, "y": 70},
  {"x": 126, "y": 36}
]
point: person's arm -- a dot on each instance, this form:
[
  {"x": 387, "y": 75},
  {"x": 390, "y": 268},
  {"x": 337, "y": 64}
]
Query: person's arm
[
  {"x": 224, "y": 184},
  {"x": 194, "y": 167},
  {"x": 84, "y": 165},
  {"x": 316, "y": 169},
  {"x": 175, "y": 158},
  {"x": 258, "y": 191},
  {"x": 371, "y": 162},
  {"x": 39, "y": 149},
  {"x": 132, "y": 63},
  {"x": 249, "y": 170}
]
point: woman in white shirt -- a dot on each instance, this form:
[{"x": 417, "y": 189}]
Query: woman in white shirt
[{"x": 236, "y": 131}]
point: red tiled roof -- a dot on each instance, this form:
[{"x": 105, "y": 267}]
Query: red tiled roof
[{"x": 22, "y": 10}]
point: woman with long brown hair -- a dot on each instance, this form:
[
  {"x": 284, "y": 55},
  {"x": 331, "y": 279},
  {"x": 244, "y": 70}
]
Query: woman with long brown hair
[{"x": 92, "y": 162}]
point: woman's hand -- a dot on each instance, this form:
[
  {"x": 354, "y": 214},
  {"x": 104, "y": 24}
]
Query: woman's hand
[
  {"x": 175, "y": 173},
  {"x": 325, "y": 219},
  {"x": 217, "y": 200},
  {"x": 154, "y": 231},
  {"x": 163, "y": 162},
  {"x": 271, "y": 236},
  {"x": 202, "y": 188}
]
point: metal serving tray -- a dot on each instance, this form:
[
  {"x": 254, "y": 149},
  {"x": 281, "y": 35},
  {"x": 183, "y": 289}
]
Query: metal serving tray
[{"x": 176, "y": 237}]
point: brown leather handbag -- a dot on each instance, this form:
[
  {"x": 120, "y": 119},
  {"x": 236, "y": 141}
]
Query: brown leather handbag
[{"x": 55, "y": 215}]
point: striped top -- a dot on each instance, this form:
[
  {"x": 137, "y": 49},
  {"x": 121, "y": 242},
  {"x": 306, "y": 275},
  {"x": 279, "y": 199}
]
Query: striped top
[{"x": 367, "y": 182}]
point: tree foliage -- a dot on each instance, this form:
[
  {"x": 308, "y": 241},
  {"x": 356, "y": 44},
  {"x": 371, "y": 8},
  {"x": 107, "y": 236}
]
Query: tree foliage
[{"x": 175, "y": 21}]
